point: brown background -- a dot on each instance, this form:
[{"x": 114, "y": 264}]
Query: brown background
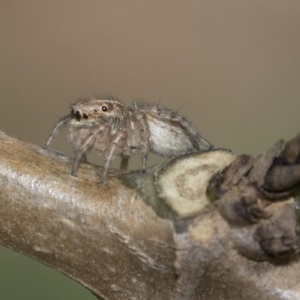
[{"x": 231, "y": 67}]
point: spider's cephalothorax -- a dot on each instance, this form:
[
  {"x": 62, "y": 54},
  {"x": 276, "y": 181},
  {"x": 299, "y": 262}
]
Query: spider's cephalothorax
[
  {"x": 93, "y": 112},
  {"x": 106, "y": 126}
]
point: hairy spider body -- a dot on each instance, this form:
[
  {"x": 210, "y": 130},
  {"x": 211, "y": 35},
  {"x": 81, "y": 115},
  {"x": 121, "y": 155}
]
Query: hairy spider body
[
  {"x": 171, "y": 134},
  {"x": 105, "y": 126}
]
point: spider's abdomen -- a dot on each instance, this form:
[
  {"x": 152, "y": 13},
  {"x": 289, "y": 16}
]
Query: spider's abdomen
[
  {"x": 170, "y": 133},
  {"x": 168, "y": 140}
]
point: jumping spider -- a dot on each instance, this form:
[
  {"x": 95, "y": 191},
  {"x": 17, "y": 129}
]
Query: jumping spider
[{"x": 107, "y": 126}]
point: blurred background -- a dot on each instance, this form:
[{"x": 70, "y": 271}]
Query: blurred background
[{"x": 231, "y": 67}]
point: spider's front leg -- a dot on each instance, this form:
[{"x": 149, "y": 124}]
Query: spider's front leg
[
  {"x": 116, "y": 147},
  {"x": 86, "y": 138}
]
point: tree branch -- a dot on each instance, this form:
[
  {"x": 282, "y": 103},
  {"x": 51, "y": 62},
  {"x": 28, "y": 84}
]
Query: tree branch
[{"x": 158, "y": 235}]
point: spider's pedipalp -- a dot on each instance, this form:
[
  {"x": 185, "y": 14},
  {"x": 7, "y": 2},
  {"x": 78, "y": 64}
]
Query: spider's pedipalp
[{"x": 59, "y": 125}]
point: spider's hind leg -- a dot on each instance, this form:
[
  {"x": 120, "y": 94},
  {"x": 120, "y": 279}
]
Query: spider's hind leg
[
  {"x": 144, "y": 162},
  {"x": 116, "y": 147},
  {"x": 124, "y": 162}
]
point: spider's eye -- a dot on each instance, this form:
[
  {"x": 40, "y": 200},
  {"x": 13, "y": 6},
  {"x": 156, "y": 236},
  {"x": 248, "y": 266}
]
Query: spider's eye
[
  {"x": 104, "y": 108},
  {"x": 77, "y": 116},
  {"x": 85, "y": 116}
]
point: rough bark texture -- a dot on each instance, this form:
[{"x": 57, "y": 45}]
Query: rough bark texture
[{"x": 212, "y": 225}]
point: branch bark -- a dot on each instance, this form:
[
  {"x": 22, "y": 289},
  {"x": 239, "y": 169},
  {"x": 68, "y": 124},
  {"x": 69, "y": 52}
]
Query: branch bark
[{"x": 201, "y": 226}]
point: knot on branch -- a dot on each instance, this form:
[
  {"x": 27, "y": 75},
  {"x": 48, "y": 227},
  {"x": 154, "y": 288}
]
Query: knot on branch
[
  {"x": 256, "y": 196},
  {"x": 284, "y": 174}
]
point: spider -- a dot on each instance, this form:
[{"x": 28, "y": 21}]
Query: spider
[{"x": 106, "y": 126}]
